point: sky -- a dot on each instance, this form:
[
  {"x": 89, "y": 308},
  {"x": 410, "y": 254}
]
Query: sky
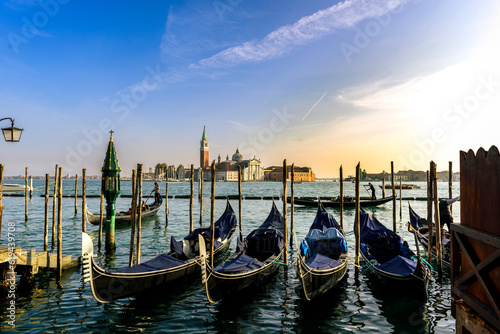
[{"x": 321, "y": 84}]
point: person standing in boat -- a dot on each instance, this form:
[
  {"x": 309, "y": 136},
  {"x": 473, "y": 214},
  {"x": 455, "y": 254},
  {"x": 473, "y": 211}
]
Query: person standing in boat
[
  {"x": 445, "y": 216},
  {"x": 372, "y": 189},
  {"x": 157, "y": 193}
]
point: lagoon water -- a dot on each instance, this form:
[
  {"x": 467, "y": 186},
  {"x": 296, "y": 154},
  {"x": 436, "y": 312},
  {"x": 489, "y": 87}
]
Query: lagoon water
[{"x": 353, "y": 306}]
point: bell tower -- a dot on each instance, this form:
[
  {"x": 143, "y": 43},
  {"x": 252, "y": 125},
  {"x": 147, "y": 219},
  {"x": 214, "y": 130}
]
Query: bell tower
[{"x": 204, "y": 150}]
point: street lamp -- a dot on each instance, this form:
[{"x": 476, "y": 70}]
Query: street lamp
[{"x": 11, "y": 133}]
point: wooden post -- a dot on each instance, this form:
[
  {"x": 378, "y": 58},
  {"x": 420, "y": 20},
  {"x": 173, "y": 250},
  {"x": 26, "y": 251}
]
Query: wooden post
[
  {"x": 1, "y": 206},
  {"x": 393, "y": 199},
  {"x": 400, "y": 198},
  {"x": 26, "y": 194},
  {"x": 341, "y": 198},
  {"x": 46, "y": 221},
  {"x": 429, "y": 216},
  {"x": 166, "y": 199},
  {"x": 76, "y": 194},
  {"x": 139, "y": 215},
  {"x": 285, "y": 176},
  {"x": 450, "y": 182},
  {"x": 84, "y": 199},
  {"x": 59, "y": 226},
  {"x": 239, "y": 203},
  {"x": 31, "y": 186},
  {"x": 383, "y": 185},
  {"x": 292, "y": 200},
  {"x": 54, "y": 209},
  {"x": 133, "y": 224},
  {"x": 101, "y": 220},
  {"x": 200, "y": 195},
  {"x": 439, "y": 253},
  {"x": 212, "y": 221},
  {"x": 191, "y": 201},
  {"x": 356, "y": 221}
]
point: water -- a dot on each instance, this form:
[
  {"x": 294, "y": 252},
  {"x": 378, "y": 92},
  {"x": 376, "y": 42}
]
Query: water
[{"x": 352, "y": 306}]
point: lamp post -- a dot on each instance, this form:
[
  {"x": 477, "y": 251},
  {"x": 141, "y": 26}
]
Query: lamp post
[
  {"x": 11, "y": 133},
  {"x": 110, "y": 187}
]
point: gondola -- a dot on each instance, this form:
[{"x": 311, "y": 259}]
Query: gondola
[
  {"x": 336, "y": 204},
  {"x": 322, "y": 255},
  {"x": 123, "y": 217},
  {"x": 167, "y": 268},
  {"x": 390, "y": 261},
  {"x": 257, "y": 257},
  {"x": 421, "y": 232}
]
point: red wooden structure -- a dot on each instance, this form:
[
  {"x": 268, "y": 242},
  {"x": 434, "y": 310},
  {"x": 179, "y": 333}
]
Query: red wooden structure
[{"x": 475, "y": 267}]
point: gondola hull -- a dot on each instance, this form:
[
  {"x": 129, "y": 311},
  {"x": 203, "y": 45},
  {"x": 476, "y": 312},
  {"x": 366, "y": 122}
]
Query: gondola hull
[
  {"x": 220, "y": 285},
  {"x": 123, "y": 218},
  {"x": 317, "y": 282},
  {"x": 336, "y": 204}
]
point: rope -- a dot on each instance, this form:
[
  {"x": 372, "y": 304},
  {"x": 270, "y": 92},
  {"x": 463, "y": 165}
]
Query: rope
[
  {"x": 351, "y": 261},
  {"x": 368, "y": 266},
  {"x": 423, "y": 260}
]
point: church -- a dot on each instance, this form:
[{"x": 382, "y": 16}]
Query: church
[{"x": 227, "y": 170}]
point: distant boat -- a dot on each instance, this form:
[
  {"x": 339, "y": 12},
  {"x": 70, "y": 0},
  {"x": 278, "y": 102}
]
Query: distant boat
[
  {"x": 14, "y": 188},
  {"x": 336, "y": 204},
  {"x": 123, "y": 218},
  {"x": 404, "y": 186}
]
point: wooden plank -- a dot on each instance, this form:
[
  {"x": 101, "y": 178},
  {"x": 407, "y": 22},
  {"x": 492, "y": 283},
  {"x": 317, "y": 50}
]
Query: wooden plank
[{"x": 477, "y": 234}]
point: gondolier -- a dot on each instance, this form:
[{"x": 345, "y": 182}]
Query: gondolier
[
  {"x": 372, "y": 189},
  {"x": 445, "y": 216},
  {"x": 157, "y": 193}
]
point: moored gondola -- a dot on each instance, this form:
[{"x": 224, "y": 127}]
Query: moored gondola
[
  {"x": 390, "y": 261},
  {"x": 322, "y": 255},
  {"x": 347, "y": 203},
  {"x": 420, "y": 228},
  {"x": 181, "y": 261},
  {"x": 257, "y": 257},
  {"x": 123, "y": 217}
]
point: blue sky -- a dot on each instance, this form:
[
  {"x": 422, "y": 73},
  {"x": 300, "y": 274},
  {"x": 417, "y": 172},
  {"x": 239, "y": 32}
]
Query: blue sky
[{"x": 320, "y": 84}]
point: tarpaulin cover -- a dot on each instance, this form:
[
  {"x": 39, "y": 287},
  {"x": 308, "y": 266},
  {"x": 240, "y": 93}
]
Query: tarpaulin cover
[
  {"x": 176, "y": 246},
  {"x": 273, "y": 221},
  {"x": 383, "y": 243},
  {"x": 399, "y": 265},
  {"x": 321, "y": 262},
  {"x": 223, "y": 226},
  {"x": 160, "y": 262},
  {"x": 323, "y": 220},
  {"x": 329, "y": 242},
  {"x": 240, "y": 263}
]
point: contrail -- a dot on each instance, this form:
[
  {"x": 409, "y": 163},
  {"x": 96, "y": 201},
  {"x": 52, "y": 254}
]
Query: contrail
[{"x": 321, "y": 98}]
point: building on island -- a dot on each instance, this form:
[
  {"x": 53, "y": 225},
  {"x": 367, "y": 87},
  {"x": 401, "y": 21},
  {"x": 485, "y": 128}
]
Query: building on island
[{"x": 301, "y": 174}]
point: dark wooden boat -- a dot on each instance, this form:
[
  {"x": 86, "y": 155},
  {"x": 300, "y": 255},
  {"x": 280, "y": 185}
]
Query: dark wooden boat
[
  {"x": 168, "y": 268},
  {"x": 257, "y": 257},
  {"x": 390, "y": 261},
  {"x": 322, "y": 255},
  {"x": 123, "y": 217},
  {"x": 336, "y": 204},
  {"x": 421, "y": 231}
]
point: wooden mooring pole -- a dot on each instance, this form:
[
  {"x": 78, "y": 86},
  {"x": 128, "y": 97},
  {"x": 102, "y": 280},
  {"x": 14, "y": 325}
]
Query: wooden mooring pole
[
  {"x": 212, "y": 221},
  {"x": 59, "y": 226},
  {"x": 356, "y": 221},
  {"x": 292, "y": 200},
  {"x": 46, "y": 221},
  {"x": 54, "y": 209},
  {"x": 341, "y": 198},
  {"x": 239, "y": 203},
  {"x": 84, "y": 199},
  {"x": 101, "y": 222},
  {"x": 191, "y": 200},
  {"x": 31, "y": 186},
  {"x": 139, "y": 214},
  {"x": 76, "y": 194},
  {"x": 429, "y": 216},
  {"x": 166, "y": 199},
  {"x": 439, "y": 253},
  {"x": 285, "y": 246},
  {"x": 394, "y": 228},
  {"x": 26, "y": 194},
  {"x": 450, "y": 182},
  {"x": 133, "y": 223},
  {"x": 383, "y": 185},
  {"x": 200, "y": 194},
  {"x": 400, "y": 198}
]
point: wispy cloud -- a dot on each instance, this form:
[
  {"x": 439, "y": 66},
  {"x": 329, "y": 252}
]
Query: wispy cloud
[
  {"x": 281, "y": 41},
  {"x": 21, "y": 4}
]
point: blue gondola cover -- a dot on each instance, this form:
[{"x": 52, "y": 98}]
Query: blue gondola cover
[
  {"x": 321, "y": 262},
  {"x": 239, "y": 264},
  {"x": 399, "y": 265},
  {"x": 160, "y": 262}
]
